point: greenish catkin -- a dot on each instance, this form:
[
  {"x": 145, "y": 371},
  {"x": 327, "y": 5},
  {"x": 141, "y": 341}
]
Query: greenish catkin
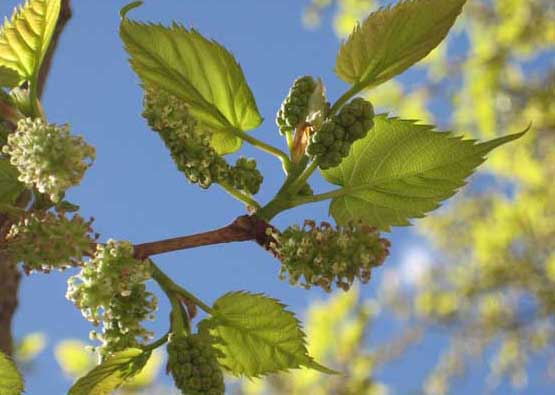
[
  {"x": 190, "y": 148},
  {"x": 323, "y": 255}
]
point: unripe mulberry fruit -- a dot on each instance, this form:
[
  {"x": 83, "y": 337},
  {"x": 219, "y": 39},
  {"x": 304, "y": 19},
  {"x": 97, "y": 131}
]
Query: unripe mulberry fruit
[
  {"x": 294, "y": 108},
  {"x": 324, "y": 255},
  {"x": 245, "y": 176},
  {"x": 326, "y": 145},
  {"x": 332, "y": 142},
  {"x": 357, "y": 118},
  {"x": 193, "y": 365}
]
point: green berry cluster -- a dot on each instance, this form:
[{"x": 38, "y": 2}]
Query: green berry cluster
[
  {"x": 323, "y": 254},
  {"x": 110, "y": 289},
  {"x": 194, "y": 367},
  {"x": 48, "y": 157},
  {"x": 333, "y": 140},
  {"x": 190, "y": 146},
  {"x": 45, "y": 241},
  {"x": 245, "y": 176},
  {"x": 295, "y": 107}
]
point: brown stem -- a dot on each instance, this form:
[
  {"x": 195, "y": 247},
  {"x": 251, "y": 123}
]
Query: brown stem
[
  {"x": 244, "y": 228},
  {"x": 10, "y": 278},
  {"x": 9, "y": 285}
]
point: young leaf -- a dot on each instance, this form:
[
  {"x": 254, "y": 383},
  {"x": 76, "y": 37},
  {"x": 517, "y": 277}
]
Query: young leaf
[
  {"x": 257, "y": 335},
  {"x": 24, "y": 40},
  {"x": 8, "y": 77},
  {"x": 11, "y": 382},
  {"x": 199, "y": 71},
  {"x": 392, "y": 39},
  {"x": 402, "y": 170},
  {"x": 111, "y": 373},
  {"x": 10, "y": 187}
]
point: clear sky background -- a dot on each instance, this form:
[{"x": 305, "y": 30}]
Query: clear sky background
[{"x": 135, "y": 193}]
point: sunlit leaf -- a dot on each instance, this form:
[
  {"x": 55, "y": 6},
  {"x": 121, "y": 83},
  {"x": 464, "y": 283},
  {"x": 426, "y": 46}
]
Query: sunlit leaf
[
  {"x": 402, "y": 170},
  {"x": 24, "y": 39},
  {"x": 258, "y": 335},
  {"x": 392, "y": 39},
  {"x": 112, "y": 373},
  {"x": 199, "y": 71},
  {"x": 11, "y": 381}
]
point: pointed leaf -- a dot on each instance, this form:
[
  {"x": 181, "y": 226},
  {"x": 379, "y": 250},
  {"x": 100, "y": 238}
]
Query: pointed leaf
[
  {"x": 392, "y": 39},
  {"x": 11, "y": 381},
  {"x": 258, "y": 336},
  {"x": 24, "y": 39},
  {"x": 199, "y": 71},
  {"x": 10, "y": 187},
  {"x": 402, "y": 170},
  {"x": 112, "y": 373}
]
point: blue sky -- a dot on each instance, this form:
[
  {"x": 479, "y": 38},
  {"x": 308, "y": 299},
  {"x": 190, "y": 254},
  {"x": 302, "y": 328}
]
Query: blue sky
[{"x": 134, "y": 192}]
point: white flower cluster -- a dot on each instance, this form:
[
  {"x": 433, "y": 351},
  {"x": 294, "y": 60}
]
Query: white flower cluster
[
  {"x": 111, "y": 290},
  {"x": 48, "y": 157}
]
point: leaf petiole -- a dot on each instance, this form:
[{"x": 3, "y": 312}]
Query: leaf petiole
[
  {"x": 320, "y": 197},
  {"x": 157, "y": 343},
  {"x": 264, "y": 147},
  {"x": 169, "y": 287},
  {"x": 353, "y": 90},
  {"x": 303, "y": 178},
  {"x": 240, "y": 196}
]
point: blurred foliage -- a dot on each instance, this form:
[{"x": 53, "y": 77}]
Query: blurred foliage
[
  {"x": 29, "y": 347},
  {"x": 490, "y": 285}
]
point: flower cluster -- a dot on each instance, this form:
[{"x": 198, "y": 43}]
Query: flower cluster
[
  {"x": 48, "y": 157},
  {"x": 322, "y": 255},
  {"x": 194, "y": 367},
  {"x": 190, "y": 147},
  {"x": 333, "y": 140},
  {"x": 294, "y": 109},
  {"x": 110, "y": 289},
  {"x": 45, "y": 241},
  {"x": 188, "y": 144},
  {"x": 245, "y": 176}
]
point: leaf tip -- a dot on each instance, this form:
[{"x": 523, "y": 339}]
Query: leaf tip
[{"x": 125, "y": 9}]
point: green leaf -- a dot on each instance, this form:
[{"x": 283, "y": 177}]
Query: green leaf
[
  {"x": 112, "y": 373},
  {"x": 125, "y": 9},
  {"x": 402, "y": 170},
  {"x": 257, "y": 335},
  {"x": 11, "y": 381},
  {"x": 199, "y": 71},
  {"x": 10, "y": 187},
  {"x": 24, "y": 39},
  {"x": 8, "y": 77},
  {"x": 392, "y": 39}
]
